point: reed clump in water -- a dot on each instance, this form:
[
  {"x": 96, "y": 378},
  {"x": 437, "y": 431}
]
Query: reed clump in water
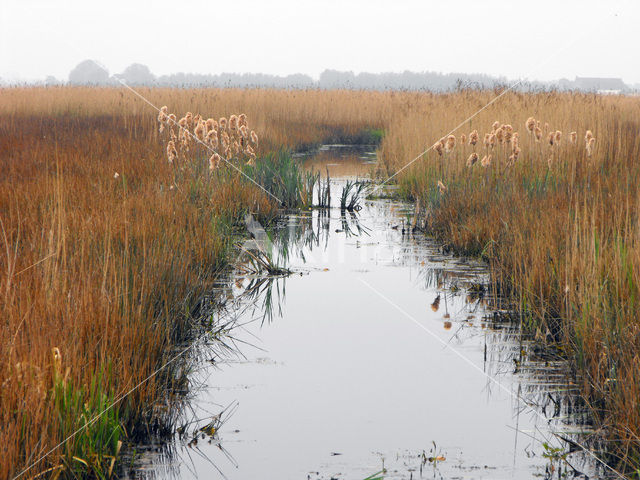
[{"x": 352, "y": 194}]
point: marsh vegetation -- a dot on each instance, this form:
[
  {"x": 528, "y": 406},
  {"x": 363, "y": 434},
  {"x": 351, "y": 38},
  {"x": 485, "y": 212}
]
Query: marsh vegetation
[{"x": 110, "y": 247}]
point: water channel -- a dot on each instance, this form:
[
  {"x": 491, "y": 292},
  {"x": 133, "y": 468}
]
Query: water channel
[{"x": 379, "y": 353}]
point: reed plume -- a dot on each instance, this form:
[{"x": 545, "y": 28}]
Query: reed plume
[
  {"x": 199, "y": 131},
  {"x": 233, "y": 123},
  {"x": 473, "y": 137},
  {"x": 212, "y": 139},
  {"x": 558, "y": 136},
  {"x": 450, "y": 143},
  {"x": 214, "y": 161},
  {"x": 172, "y": 153},
  {"x": 530, "y": 124},
  {"x": 590, "y": 145},
  {"x": 251, "y": 154},
  {"x": 573, "y": 137},
  {"x": 473, "y": 158},
  {"x": 588, "y": 136},
  {"x": 538, "y": 133},
  {"x": 162, "y": 118},
  {"x": 515, "y": 151},
  {"x": 186, "y": 140}
]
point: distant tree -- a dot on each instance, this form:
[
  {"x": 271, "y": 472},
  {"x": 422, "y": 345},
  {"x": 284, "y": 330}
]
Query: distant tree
[
  {"x": 138, "y": 74},
  {"x": 336, "y": 79},
  {"x": 51, "y": 81},
  {"x": 88, "y": 72}
]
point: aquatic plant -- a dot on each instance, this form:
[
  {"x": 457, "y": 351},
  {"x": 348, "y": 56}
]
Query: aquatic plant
[
  {"x": 284, "y": 177},
  {"x": 324, "y": 191},
  {"x": 260, "y": 261},
  {"x": 352, "y": 194}
]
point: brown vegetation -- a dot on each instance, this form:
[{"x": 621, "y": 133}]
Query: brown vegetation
[
  {"x": 558, "y": 219},
  {"x": 101, "y": 254}
]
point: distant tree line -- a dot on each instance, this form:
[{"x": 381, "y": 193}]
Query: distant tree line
[{"x": 89, "y": 72}]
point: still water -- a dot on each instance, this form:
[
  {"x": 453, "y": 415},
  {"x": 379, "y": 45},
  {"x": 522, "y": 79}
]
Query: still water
[{"x": 378, "y": 353}]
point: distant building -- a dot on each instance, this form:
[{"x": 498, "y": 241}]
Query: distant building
[{"x": 601, "y": 85}]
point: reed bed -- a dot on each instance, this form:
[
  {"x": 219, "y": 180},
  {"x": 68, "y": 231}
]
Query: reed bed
[
  {"x": 545, "y": 187},
  {"x": 106, "y": 243},
  {"x": 111, "y": 235},
  {"x": 106, "y": 249}
]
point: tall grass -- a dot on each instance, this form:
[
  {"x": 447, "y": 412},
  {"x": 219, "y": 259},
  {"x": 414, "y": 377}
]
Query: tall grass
[
  {"x": 560, "y": 226},
  {"x": 105, "y": 249},
  {"x": 103, "y": 267}
]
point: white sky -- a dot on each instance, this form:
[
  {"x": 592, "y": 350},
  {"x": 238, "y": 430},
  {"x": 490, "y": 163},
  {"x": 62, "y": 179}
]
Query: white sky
[{"x": 512, "y": 38}]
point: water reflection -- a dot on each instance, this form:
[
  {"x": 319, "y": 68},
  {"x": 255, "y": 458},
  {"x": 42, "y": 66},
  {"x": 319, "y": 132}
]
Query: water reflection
[{"x": 332, "y": 382}]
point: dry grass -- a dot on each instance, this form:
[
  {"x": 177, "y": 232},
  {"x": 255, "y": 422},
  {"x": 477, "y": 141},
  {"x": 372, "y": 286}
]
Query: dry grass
[
  {"x": 99, "y": 266},
  {"x": 559, "y": 224},
  {"x": 102, "y": 267}
]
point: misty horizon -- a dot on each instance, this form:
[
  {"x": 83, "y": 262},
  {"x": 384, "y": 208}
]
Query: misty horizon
[
  {"x": 90, "y": 72},
  {"x": 541, "y": 42}
]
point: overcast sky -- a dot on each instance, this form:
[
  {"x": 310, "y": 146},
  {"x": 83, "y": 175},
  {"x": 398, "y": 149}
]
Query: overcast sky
[{"x": 510, "y": 38}]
